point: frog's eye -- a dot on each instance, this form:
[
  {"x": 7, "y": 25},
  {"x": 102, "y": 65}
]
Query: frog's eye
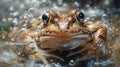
[
  {"x": 80, "y": 15},
  {"x": 45, "y": 16}
]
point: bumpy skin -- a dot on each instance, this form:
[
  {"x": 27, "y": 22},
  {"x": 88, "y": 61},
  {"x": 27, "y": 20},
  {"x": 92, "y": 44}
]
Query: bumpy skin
[{"x": 63, "y": 32}]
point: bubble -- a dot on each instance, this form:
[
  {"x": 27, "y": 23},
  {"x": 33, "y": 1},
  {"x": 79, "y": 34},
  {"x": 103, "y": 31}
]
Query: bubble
[
  {"x": 3, "y": 37},
  {"x": 76, "y": 4},
  {"x": 16, "y": 13},
  {"x": 15, "y": 21},
  {"x": 44, "y": 1},
  {"x": 10, "y": 18},
  {"x": 71, "y": 63},
  {"x": 11, "y": 8},
  {"x": 22, "y": 6},
  {"x": 60, "y": 2},
  {"x": 106, "y": 2},
  {"x": 4, "y": 19},
  {"x": 55, "y": 6},
  {"x": 87, "y": 6},
  {"x": 65, "y": 4},
  {"x": 33, "y": 12}
]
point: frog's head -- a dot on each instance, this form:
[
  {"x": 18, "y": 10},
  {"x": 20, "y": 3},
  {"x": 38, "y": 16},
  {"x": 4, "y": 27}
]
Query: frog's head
[
  {"x": 71, "y": 23},
  {"x": 63, "y": 27}
]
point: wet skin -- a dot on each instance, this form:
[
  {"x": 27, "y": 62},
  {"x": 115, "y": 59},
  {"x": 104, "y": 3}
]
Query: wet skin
[{"x": 63, "y": 32}]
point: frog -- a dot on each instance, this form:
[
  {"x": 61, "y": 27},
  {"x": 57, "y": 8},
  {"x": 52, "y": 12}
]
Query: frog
[{"x": 61, "y": 32}]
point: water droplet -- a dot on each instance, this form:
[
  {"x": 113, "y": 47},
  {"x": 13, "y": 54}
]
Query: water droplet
[
  {"x": 76, "y": 4},
  {"x": 10, "y": 19},
  {"x": 22, "y": 6},
  {"x": 51, "y": 60},
  {"x": 16, "y": 13},
  {"x": 12, "y": 39},
  {"x": 60, "y": 2},
  {"x": 15, "y": 21},
  {"x": 11, "y": 8},
  {"x": 3, "y": 37},
  {"x": 71, "y": 62},
  {"x": 4, "y": 19}
]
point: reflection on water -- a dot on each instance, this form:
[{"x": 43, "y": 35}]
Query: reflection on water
[{"x": 12, "y": 13}]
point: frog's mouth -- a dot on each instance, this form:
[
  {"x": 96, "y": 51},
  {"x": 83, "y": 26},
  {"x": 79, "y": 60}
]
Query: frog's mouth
[
  {"x": 61, "y": 38},
  {"x": 64, "y": 43}
]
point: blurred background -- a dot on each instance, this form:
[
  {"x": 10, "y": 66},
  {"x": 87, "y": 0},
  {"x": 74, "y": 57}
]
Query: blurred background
[{"x": 12, "y": 13}]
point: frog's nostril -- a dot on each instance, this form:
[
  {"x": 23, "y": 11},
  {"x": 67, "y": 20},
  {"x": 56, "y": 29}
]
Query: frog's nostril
[
  {"x": 32, "y": 48},
  {"x": 66, "y": 30}
]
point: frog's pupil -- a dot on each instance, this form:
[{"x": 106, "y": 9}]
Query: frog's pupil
[
  {"x": 81, "y": 15},
  {"x": 44, "y": 17}
]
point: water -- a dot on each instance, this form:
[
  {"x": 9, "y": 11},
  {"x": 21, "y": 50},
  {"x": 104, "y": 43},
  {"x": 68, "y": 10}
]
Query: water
[{"x": 15, "y": 12}]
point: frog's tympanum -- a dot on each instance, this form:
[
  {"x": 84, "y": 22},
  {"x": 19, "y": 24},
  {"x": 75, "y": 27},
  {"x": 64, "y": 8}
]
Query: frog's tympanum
[{"x": 63, "y": 32}]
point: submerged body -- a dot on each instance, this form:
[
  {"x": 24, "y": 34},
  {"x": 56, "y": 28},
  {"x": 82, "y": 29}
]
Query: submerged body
[{"x": 63, "y": 32}]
